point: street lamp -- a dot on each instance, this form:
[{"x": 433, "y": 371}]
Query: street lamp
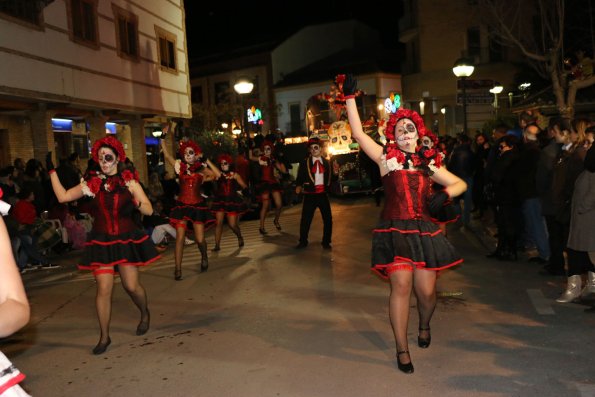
[
  {"x": 463, "y": 68},
  {"x": 243, "y": 86},
  {"x": 496, "y": 90}
]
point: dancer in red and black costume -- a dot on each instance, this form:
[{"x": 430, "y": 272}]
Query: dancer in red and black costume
[
  {"x": 116, "y": 244},
  {"x": 191, "y": 206},
  {"x": 269, "y": 185},
  {"x": 407, "y": 247},
  {"x": 228, "y": 202}
]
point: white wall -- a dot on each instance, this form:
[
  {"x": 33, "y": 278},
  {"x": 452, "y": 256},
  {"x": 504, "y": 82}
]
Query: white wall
[{"x": 48, "y": 65}]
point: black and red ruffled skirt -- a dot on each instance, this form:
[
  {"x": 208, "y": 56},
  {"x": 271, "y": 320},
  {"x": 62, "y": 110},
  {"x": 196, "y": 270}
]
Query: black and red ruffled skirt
[
  {"x": 133, "y": 248},
  {"x": 267, "y": 187},
  {"x": 182, "y": 213},
  {"x": 232, "y": 205},
  {"x": 409, "y": 244}
]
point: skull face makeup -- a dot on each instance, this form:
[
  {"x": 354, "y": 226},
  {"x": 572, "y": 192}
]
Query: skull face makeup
[
  {"x": 406, "y": 135},
  {"x": 224, "y": 166},
  {"x": 107, "y": 161},
  {"x": 315, "y": 150},
  {"x": 189, "y": 155}
]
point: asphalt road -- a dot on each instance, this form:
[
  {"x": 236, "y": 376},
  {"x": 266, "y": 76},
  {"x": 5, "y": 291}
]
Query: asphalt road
[{"x": 267, "y": 320}]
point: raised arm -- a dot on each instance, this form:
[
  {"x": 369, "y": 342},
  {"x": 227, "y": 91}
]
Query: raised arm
[
  {"x": 367, "y": 144},
  {"x": 14, "y": 307},
  {"x": 168, "y": 157},
  {"x": 214, "y": 168},
  {"x": 61, "y": 193}
]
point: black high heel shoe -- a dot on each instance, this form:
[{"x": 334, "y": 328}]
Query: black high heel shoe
[
  {"x": 277, "y": 224},
  {"x": 408, "y": 367},
  {"x": 204, "y": 265},
  {"x": 102, "y": 346},
  {"x": 178, "y": 274},
  {"x": 216, "y": 248},
  {"x": 424, "y": 343},
  {"x": 262, "y": 231},
  {"x": 240, "y": 241},
  {"x": 143, "y": 326}
]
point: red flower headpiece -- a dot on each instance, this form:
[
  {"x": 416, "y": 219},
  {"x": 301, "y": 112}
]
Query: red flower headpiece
[
  {"x": 411, "y": 115},
  {"x": 110, "y": 142},
  {"x": 224, "y": 157},
  {"x": 269, "y": 144},
  {"x": 189, "y": 144}
]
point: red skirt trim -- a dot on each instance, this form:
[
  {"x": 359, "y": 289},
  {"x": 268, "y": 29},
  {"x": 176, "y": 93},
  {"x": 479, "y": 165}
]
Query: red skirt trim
[
  {"x": 393, "y": 229},
  {"x": 123, "y": 262},
  {"x": 12, "y": 382},
  {"x": 401, "y": 263},
  {"x": 93, "y": 242}
]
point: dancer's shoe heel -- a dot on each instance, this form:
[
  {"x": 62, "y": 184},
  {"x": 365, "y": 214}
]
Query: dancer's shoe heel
[
  {"x": 204, "y": 265},
  {"x": 277, "y": 225},
  {"x": 178, "y": 274},
  {"x": 424, "y": 343},
  {"x": 143, "y": 326},
  {"x": 406, "y": 368},
  {"x": 102, "y": 346}
]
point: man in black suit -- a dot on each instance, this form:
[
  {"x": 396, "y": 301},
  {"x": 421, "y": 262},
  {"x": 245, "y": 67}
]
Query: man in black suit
[{"x": 313, "y": 180}]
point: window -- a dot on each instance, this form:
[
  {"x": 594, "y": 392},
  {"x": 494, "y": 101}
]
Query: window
[
  {"x": 166, "y": 42},
  {"x": 222, "y": 92},
  {"x": 83, "y": 21},
  {"x": 28, "y": 11},
  {"x": 496, "y": 50},
  {"x": 473, "y": 42},
  {"x": 196, "y": 94},
  {"x": 126, "y": 33}
]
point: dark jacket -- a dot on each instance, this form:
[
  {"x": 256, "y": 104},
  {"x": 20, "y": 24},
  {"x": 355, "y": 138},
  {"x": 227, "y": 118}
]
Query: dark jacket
[
  {"x": 526, "y": 169},
  {"x": 503, "y": 178},
  {"x": 462, "y": 161},
  {"x": 305, "y": 176}
]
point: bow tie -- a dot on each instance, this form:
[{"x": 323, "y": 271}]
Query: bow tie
[{"x": 317, "y": 167}]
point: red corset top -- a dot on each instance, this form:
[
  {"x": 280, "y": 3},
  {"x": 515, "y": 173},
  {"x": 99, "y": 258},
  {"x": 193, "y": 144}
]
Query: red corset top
[
  {"x": 227, "y": 185},
  {"x": 268, "y": 174},
  {"x": 112, "y": 212},
  {"x": 406, "y": 193},
  {"x": 190, "y": 188}
]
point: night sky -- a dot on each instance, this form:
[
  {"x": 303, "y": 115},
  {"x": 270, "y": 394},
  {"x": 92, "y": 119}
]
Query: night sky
[{"x": 222, "y": 26}]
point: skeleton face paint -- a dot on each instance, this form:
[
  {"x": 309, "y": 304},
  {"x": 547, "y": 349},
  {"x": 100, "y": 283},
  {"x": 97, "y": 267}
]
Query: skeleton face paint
[
  {"x": 315, "y": 150},
  {"x": 107, "y": 161},
  {"x": 406, "y": 135},
  {"x": 224, "y": 166},
  {"x": 189, "y": 155}
]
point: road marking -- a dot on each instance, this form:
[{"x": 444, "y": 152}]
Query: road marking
[{"x": 541, "y": 304}]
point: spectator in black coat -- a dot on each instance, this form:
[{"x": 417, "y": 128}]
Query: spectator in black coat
[{"x": 462, "y": 163}]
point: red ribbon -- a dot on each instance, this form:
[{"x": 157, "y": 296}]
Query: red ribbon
[{"x": 318, "y": 166}]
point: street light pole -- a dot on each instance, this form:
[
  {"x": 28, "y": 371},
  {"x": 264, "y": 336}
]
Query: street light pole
[
  {"x": 463, "y": 68},
  {"x": 243, "y": 86},
  {"x": 496, "y": 90}
]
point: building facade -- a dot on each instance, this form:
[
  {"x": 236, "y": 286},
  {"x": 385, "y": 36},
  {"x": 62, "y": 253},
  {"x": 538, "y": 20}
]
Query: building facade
[
  {"x": 68, "y": 67},
  {"x": 436, "y": 33}
]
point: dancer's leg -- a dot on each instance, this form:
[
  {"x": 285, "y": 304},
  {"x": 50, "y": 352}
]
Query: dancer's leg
[
  {"x": 132, "y": 285},
  {"x": 400, "y": 294}
]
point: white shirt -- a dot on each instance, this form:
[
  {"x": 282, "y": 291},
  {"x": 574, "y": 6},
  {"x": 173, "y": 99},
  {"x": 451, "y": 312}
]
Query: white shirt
[{"x": 318, "y": 176}]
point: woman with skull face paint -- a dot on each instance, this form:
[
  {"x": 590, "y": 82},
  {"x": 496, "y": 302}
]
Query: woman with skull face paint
[
  {"x": 116, "y": 244},
  {"x": 408, "y": 248},
  {"x": 227, "y": 202},
  {"x": 191, "y": 207},
  {"x": 269, "y": 185}
]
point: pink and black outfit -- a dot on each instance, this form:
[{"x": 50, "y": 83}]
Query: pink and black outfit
[{"x": 268, "y": 182}]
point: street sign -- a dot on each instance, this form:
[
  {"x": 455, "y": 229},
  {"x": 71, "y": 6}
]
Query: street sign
[{"x": 476, "y": 98}]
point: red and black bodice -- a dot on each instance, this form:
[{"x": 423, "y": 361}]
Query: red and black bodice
[{"x": 190, "y": 188}]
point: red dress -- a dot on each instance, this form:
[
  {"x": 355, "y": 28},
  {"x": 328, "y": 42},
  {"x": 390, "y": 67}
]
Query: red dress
[
  {"x": 405, "y": 237},
  {"x": 268, "y": 182},
  {"x": 116, "y": 238},
  {"x": 191, "y": 206},
  {"x": 227, "y": 198}
]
